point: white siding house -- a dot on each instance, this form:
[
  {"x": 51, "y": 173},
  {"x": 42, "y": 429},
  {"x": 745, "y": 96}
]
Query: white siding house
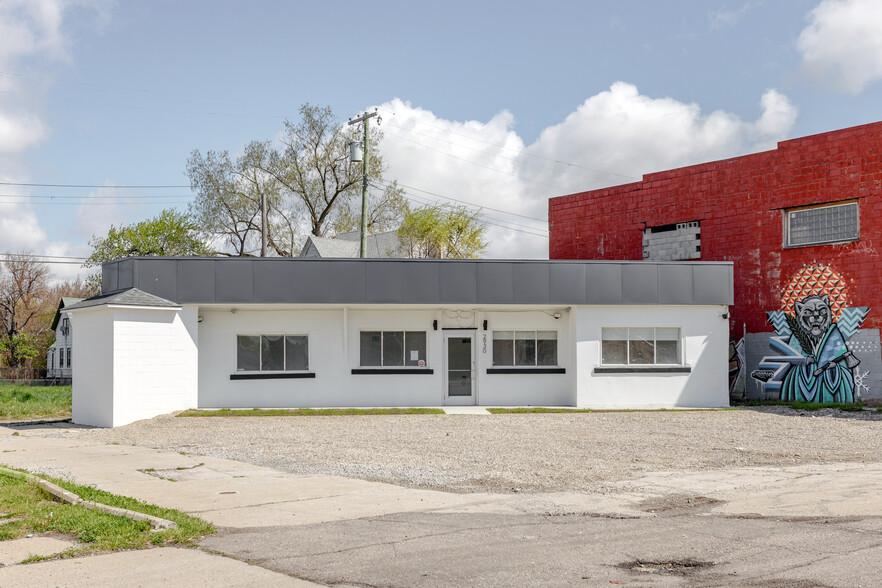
[
  {"x": 60, "y": 353},
  {"x": 177, "y": 333}
]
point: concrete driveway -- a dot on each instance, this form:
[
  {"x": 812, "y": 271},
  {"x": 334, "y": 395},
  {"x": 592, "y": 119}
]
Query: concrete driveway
[{"x": 797, "y": 526}]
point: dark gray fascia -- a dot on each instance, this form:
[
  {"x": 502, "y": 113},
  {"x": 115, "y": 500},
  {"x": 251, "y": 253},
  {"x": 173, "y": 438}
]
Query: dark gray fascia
[{"x": 213, "y": 280}]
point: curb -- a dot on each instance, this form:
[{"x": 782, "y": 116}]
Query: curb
[{"x": 63, "y": 495}]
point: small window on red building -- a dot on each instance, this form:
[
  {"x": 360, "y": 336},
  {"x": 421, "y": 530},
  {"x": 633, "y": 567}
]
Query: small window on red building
[{"x": 818, "y": 225}]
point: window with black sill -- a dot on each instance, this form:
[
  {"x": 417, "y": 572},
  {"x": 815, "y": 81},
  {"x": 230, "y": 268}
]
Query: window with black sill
[{"x": 266, "y": 356}]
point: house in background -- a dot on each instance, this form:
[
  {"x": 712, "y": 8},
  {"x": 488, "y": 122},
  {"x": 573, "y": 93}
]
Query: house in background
[
  {"x": 169, "y": 334},
  {"x": 58, "y": 358},
  {"x": 801, "y": 223},
  {"x": 381, "y": 245}
]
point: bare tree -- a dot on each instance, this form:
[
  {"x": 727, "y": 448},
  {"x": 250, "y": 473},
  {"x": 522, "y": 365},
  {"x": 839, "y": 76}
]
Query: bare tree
[
  {"x": 23, "y": 294},
  {"x": 307, "y": 182}
]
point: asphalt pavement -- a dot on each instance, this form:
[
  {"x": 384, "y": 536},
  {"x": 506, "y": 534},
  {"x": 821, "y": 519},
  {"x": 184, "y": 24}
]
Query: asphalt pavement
[{"x": 801, "y": 526}]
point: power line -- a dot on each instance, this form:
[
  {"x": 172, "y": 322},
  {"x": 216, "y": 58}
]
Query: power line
[
  {"x": 508, "y": 224},
  {"x": 93, "y": 85},
  {"x": 493, "y": 169},
  {"x": 128, "y": 187},
  {"x": 541, "y": 220},
  {"x": 10, "y": 254},
  {"x": 522, "y": 152},
  {"x": 92, "y": 203},
  {"x": 120, "y": 197},
  {"x": 512, "y": 226},
  {"x": 50, "y": 262},
  {"x": 547, "y": 163},
  {"x": 48, "y": 259}
]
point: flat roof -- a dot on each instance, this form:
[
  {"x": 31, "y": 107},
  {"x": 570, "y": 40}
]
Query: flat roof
[{"x": 284, "y": 280}]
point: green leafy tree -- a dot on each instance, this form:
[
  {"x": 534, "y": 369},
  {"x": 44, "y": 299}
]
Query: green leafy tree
[
  {"x": 442, "y": 232},
  {"x": 23, "y": 294},
  {"x": 170, "y": 233},
  {"x": 307, "y": 182}
]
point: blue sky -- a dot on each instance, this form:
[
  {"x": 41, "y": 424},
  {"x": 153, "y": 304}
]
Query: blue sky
[{"x": 499, "y": 104}]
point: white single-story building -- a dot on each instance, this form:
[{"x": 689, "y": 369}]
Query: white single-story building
[{"x": 173, "y": 333}]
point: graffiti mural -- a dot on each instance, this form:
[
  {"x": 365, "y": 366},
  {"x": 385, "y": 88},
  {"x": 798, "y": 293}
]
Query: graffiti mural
[
  {"x": 736, "y": 370},
  {"x": 812, "y": 329}
]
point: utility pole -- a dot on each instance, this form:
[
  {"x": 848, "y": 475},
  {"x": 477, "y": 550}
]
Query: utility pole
[
  {"x": 364, "y": 118},
  {"x": 262, "y": 224}
]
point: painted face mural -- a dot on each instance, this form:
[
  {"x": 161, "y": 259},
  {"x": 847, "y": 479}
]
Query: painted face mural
[{"x": 812, "y": 329}]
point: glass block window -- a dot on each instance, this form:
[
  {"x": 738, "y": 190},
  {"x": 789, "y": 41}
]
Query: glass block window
[
  {"x": 640, "y": 346},
  {"x": 822, "y": 224},
  {"x": 524, "y": 348},
  {"x": 272, "y": 353},
  {"x": 392, "y": 348}
]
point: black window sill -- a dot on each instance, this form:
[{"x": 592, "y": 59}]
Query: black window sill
[
  {"x": 392, "y": 371},
  {"x": 656, "y": 369},
  {"x": 527, "y": 370},
  {"x": 273, "y": 376}
]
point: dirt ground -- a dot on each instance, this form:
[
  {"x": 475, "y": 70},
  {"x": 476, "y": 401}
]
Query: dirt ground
[{"x": 584, "y": 452}]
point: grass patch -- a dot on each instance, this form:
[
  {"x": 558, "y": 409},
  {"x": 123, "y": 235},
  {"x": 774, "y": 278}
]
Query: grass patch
[
  {"x": 18, "y": 401},
  {"x": 534, "y": 409},
  {"x": 28, "y": 509},
  {"x": 266, "y": 412},
  {"x": 802, "y": 405}
]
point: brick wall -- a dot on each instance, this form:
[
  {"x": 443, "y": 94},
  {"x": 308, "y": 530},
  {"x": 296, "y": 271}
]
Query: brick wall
[{"x": 739, "y": 203}]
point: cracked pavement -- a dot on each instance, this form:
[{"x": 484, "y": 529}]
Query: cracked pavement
[{"x": 798, "y": 526}]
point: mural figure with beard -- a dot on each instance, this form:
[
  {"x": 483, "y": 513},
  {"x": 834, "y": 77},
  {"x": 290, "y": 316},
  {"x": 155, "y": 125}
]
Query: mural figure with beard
[
  {"x": 814, "y": 363},
  {"x": 826, "y": 375}
]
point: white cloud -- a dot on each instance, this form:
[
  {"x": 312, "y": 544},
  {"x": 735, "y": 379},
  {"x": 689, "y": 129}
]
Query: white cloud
[
  {"x": 31, "y": 34},
  {"x": 98, "y": 211},
  {"x": 19, "y": 132},
  {"x": 613, "y": 137},
  {"x": 30, "y": 27},
  {"x": 19, "y": 228},
  {"x": 726, "y": 19},
  {"x": 842, "y": 45}
]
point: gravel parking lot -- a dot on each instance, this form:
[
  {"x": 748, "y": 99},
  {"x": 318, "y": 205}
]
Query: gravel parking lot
[{"x": 518, "y": 452}]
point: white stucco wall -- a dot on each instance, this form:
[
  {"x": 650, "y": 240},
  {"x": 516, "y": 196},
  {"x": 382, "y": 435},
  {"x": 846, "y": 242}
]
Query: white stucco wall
[
  {"x": 133, "y": 363},
  {"x": 155, "y": 355},
  {"x": 704, "y": 340},
  {"x": 136, "y": 363},
  {"x": 93, "y": 367},
  {"x": 334, "y": 352}
]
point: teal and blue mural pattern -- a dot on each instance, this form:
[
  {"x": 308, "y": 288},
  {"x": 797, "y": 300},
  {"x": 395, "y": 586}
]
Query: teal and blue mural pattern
[{"x": 813, "y": 362}]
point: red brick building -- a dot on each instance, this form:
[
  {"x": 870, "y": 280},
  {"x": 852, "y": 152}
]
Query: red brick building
[{"x": 803, "y": 219}]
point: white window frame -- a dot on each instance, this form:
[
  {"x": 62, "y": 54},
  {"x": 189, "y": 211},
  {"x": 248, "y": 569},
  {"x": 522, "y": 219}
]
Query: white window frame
[
  {"x": 680, "y": 350},
  {"x": 535, "y": 332},
  {"x": 260, "y": 353},
  {"x": 382, "y": 365},
  {"x": 791, "y": 211}
]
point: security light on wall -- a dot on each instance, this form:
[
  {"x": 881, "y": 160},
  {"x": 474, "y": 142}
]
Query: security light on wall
[{"x": 556, "y": 315}]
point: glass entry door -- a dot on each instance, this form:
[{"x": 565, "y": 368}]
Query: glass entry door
[{"x": 460, "y": 370}]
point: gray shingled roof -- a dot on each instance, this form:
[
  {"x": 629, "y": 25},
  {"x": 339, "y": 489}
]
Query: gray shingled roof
[
  {"x": 382, "y": 245},
  {"x": 331, "y": 247},
  {"x": 126, "y": 297},
  {"x": 66, "y": 302}
]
